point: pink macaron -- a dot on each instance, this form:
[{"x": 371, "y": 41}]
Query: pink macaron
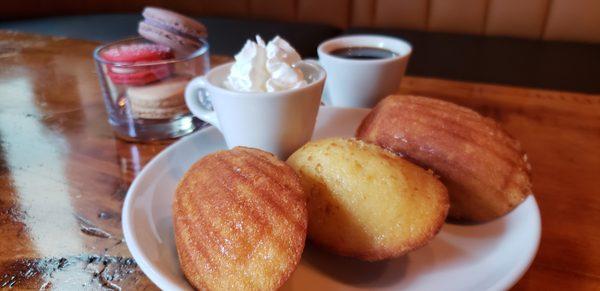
[
  {"x": 138, "y": 54},
  {"x": 172, "y": 29}
]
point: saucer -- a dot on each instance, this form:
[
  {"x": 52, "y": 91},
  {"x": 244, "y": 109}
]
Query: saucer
[{"x": 489, "y": 256}]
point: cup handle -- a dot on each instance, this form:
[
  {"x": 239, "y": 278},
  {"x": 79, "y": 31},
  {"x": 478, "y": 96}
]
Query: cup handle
[
  {"x": 325, "y": 95},
  {"x": 194, "y": 91}
]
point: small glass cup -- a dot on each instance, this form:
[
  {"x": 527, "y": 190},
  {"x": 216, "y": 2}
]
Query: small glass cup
[{"x": 147, "y": 111}]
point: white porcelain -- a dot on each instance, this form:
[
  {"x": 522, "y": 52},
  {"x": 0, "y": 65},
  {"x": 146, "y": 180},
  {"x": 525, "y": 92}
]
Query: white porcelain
[
  {"x": 278, "y": 122},
  {"x": 362, "y": 83},
  {"x": 490, "y": 256}
]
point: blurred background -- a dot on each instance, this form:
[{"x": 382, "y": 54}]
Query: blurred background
[{"x": 553, "y": 44}]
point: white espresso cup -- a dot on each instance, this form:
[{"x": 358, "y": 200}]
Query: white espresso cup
[
  {"x": 277, "y": 122},
  {"x": 362, "y": 82}
]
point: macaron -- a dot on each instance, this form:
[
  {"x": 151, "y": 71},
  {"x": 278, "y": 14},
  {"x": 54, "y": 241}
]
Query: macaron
[
  {"x": 159, "y": 113},
  {"x": 160, "y": 100},
  {"x": 138, "y": 53},
  {"x": 138, "y": 76},
  {"x": 172, "y": 29}
]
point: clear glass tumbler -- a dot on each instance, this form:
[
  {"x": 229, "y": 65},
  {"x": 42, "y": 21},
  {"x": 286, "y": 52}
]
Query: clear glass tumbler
[{"x": 154, "y": 110}]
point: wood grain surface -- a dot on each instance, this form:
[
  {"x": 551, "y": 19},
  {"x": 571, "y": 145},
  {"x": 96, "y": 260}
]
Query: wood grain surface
[{"x": 63, "y": 174}]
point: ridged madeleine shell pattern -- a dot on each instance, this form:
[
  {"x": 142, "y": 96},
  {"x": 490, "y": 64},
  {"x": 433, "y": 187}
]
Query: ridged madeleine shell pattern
[
  {"x": 240, "y": 221},
  {"x": 484, "y": 169}
]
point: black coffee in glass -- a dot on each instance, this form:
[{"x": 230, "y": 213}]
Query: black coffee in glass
[{"x": 363, "y": 53}]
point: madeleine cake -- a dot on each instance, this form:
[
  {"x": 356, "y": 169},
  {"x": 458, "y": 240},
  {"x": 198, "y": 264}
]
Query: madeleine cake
[
  {"x": 365, "y": 202},
  {"x": 240, "y": 221},
  {"x": 484, "y": 169}
]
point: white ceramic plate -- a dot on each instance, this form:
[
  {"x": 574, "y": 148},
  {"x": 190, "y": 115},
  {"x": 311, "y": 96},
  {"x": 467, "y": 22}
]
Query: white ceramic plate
[{"x": 491, "y": 256}]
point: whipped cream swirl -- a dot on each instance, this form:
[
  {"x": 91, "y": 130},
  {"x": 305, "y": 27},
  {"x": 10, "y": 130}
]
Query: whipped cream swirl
[{"x": 265, "y": 68}]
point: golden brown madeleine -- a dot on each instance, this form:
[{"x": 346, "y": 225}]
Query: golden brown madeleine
[
  {"x": 240, "y": 221},
  {"x": 365, "y": 202},
  {"x": 484, "y": 169}
]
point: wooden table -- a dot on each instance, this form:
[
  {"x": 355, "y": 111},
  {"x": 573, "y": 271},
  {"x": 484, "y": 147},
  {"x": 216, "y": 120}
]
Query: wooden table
[{"x": 64, "y": 175}]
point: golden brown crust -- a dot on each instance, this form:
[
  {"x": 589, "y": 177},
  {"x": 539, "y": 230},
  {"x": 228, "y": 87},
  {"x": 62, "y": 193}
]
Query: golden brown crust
[
  {"x": 240, "y": 221},
  {"x": 365, "y": 202},
  {"x": 483, "y": 167}
]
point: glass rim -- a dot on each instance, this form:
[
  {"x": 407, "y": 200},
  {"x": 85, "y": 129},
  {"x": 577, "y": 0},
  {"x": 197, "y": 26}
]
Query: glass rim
[{"x": 197, "y": 53}]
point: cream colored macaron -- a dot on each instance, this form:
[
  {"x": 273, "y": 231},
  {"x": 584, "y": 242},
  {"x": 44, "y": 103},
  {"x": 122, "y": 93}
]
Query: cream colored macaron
[
  {"x": 159, "y": 113},
  {"x": 158, "y": 100}
]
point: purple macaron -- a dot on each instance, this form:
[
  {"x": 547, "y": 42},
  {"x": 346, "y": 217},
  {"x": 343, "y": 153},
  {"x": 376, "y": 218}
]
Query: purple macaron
[{"x": 181, "y": 33}]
